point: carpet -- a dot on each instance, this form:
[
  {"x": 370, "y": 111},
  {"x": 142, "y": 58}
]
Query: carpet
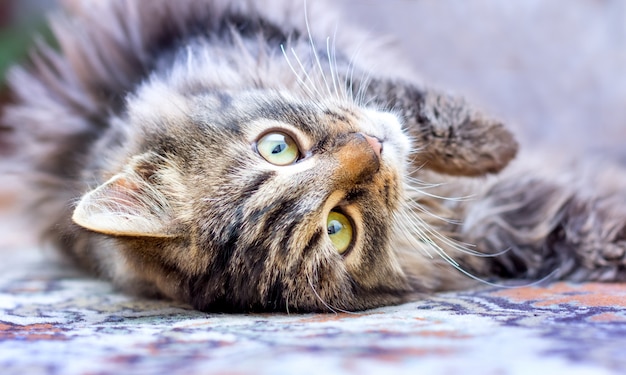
[{"x": 54, "y": 320}]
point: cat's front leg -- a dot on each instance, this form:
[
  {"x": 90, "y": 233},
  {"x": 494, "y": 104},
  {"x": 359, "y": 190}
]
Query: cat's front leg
[{"x": 448, "y": 134}]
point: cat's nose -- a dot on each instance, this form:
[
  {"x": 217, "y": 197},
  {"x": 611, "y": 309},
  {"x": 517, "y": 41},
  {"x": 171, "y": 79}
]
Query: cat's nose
[
  {"x": 359, "y": 157},
  {"x": 377, "y": 146}
]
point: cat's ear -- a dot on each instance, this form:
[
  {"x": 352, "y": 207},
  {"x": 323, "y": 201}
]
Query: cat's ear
[{"x": 128, "y": 204}]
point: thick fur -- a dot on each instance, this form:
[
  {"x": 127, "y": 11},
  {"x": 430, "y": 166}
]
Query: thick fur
[{"x": 140, "y": 139}]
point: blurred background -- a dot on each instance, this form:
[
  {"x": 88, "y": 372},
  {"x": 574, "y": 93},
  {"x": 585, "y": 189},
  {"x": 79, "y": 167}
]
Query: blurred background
[
  {"x": 555, "y": 70},
  {"x": 19, "y": 21}
]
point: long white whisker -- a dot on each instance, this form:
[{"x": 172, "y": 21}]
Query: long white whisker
[
  {"x": 364, "y": 83},
  {"x": 427, "y": 231},
  {"x": 333, "y": 309},
  {"x": 313, "y": 49},
  {"x": 295, "y": 55},
  {"x": 300, "y": 80},
  {"x": 451, "y": 199},
  {"x": 319, "y": 297},
  {"x": 414, "y": 228},
  {"x": 190, "y": 59},
  {"x": 349, "y": 80},
  {"x": 334, "y": 63},
  {"x": 416, "y": 181},
  {"x": 405, "y": 231},
  {"x": 419, "y": 228},
  {"x": 537, "y": 282},
  {"x": 418, "y": 232},
  {"x": 416, "y": 206},
  {"x": 330, "y": 64},
  {"x": 458, "y": 267}
]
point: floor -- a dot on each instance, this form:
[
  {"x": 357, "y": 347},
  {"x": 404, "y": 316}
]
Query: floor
[{"x": 55, "y": 321}]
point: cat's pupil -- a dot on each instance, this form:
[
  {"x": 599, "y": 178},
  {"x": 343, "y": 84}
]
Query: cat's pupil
[
  {"x": 334, "y": 227},
  {"x": 279, "y": 148}
]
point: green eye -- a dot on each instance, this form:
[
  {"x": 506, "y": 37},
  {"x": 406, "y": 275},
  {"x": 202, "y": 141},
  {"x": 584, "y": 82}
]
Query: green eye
[
  {"x": 339, "y": 230},
  {"x": 278, "y": 149}
]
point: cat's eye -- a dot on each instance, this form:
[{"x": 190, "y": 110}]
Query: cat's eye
[
  {"x": 340, "y": 231},
  {"x": 278, "y": 148}
]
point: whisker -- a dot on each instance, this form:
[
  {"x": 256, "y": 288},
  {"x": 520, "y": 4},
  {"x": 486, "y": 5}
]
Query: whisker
[
  {"x": 330, "y": 64},
  {"x": 334, "y": 63},
  {"x": 306, "y": 74},
  {"x": 486, "y": 282},
  {"x": 190, "y": 59},
  {"x": 426, "y": 236},
  {"x": 450, "y": 199},
  {"x": 416, "y": 181},
  {"x": 333, "y": 309},
  {"x": 419, "y": 227},
  {"x": 405, "y": 230},
  {"x": 430, "y": 232},
  {"x": 416, "y": 206},
  {"x": 364, "y": 84},
  {"x": 349, "y": 80},
  {"x": 300, "y": 80},
  {"x": 313, "y": 49},
  {"x": 320, "y": 298}
]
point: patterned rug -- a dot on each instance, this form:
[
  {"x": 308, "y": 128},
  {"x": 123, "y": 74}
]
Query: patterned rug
[{"x": 56, "y": 321}]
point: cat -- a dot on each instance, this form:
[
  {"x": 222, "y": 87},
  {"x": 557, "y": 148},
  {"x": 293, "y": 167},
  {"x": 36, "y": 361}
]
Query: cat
[{"x": 264, "y": 156}]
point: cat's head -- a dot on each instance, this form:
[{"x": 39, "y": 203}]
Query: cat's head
[{"x": 254, "y": 200}]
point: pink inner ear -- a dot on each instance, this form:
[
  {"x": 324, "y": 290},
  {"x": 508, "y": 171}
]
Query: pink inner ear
[
  {"x": 123, "y": 193},
  {"x": 125, "y": 205},
  {"x": 122, "y": 196}
]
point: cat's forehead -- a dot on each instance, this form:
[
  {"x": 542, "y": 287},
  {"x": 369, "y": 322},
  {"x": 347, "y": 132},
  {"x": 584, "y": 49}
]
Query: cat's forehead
[
  {"x": 317, "y": 119},
  {"x": 250, "y": 114}
]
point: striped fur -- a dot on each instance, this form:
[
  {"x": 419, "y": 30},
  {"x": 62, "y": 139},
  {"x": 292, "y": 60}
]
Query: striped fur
[{"x": 140, "y": 138}]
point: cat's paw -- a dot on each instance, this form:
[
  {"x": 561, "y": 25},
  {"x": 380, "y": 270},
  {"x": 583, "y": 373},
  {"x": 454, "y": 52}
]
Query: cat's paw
[
  {"x": 455, "y": 139},
  {"x": 448, "y": 134}
]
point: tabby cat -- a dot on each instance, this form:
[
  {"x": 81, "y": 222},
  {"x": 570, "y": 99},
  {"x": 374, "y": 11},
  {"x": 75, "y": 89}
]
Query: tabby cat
[{"x": 259, "y": 155}]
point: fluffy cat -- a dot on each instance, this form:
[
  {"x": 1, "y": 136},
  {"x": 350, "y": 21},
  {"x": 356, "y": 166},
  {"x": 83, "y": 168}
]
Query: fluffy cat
[{"x": 254, "y": 155}]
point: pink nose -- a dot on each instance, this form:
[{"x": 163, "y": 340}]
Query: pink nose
[{"x": 375, "y": 143}]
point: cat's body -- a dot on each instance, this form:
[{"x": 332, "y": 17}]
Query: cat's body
[{"x": 252, "y": 156}]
